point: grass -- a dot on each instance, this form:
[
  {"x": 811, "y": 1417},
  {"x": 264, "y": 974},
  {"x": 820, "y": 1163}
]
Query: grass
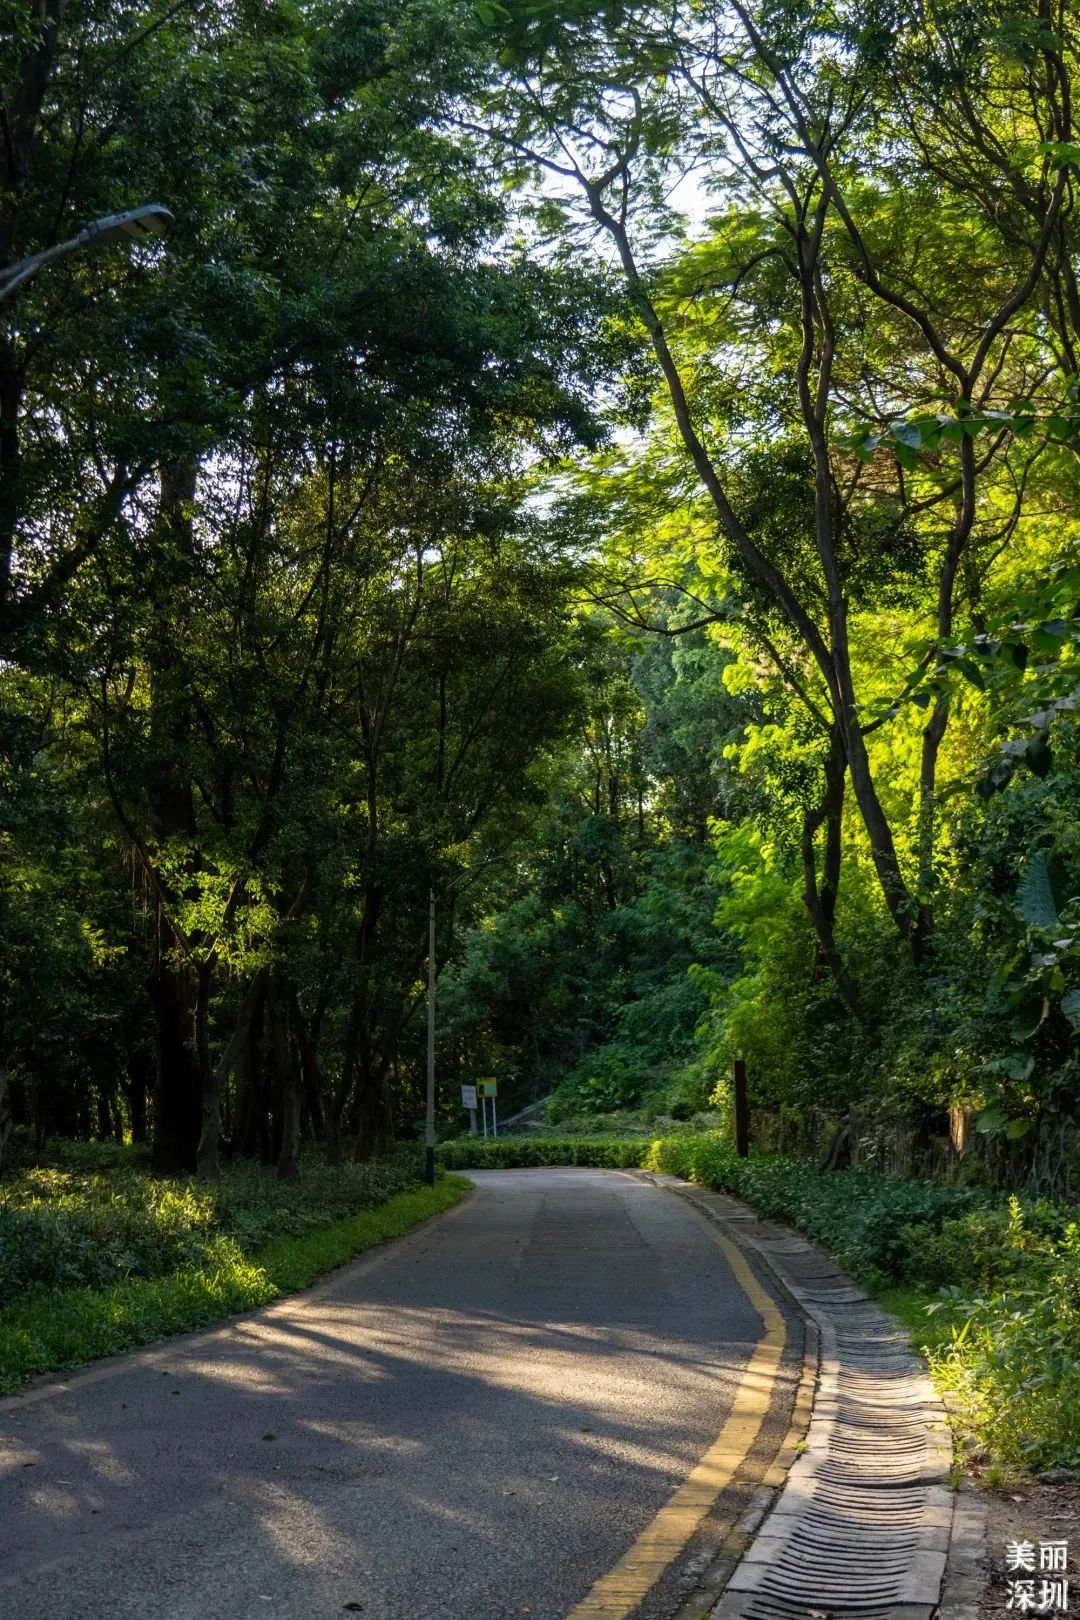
[
  {"x": 48, "y": 1329},
  {"x": 911, "y": 1307},
  {"x": 92, "y": 1215}
]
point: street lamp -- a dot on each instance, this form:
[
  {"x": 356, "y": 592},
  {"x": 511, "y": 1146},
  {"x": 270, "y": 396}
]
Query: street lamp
[
  {"x": 137, "y": 223},
  {"x": 429, "y": 1120}
]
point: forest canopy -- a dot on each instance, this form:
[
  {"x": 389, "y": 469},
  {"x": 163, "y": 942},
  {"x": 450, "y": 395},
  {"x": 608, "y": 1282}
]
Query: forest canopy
[{"x": 610, "y": 468}]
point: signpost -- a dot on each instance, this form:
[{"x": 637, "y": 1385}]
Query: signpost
[
  {"x": 490, "y": 1088},
  {"x": 468, "y": 1100}
]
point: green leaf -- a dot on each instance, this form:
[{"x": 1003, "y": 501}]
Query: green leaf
[
  {"x": 1048, "y": 636},
  {"x": 1060, "y": 153},
  {"x": 971, "y": 672},
  {"x": 929, "y": 430},
  {"x": 1016, "y": 1128},
  {"x": 989, "y": 1121},
  {"x": 1035, "y": 903},
  {"x": 905, "y": 432},
  {"x": 1030, "y": 1018},
  {"x": 1070, "y": 1006}
]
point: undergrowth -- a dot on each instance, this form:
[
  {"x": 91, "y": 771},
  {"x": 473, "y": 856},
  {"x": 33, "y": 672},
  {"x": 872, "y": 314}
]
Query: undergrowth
[
  {"x": 95, "y": 1257},
  {"x": 94, "y": 1216}
]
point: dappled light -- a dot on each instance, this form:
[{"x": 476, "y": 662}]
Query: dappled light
[
  {"x": 539, "y": 641},
  {"x": 327, "y": 1423}
]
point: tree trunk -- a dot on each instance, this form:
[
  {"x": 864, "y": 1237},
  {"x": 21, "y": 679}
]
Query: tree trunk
[
  {"x": 178, "y": 1079},
  {"x": 310, "y": 1070},
  {"x": 333, "y": 1133},
  {"x": 287, "y": 1086},
  {"x": 214, "y": 1077},
  {"x": 207, "y": 1162},
  {"x": 175, "y": 993},
  {"x": 136, "y": 1091},
  {"x": 177, "y": 1082},
  {"x": 340, "y": 1093},
  {"x": 368, "y": 1112},
  {"x": 250, "y": 1109},
  {"x": 5, "y": 1112},
  {"x": 838, "y": 1153},
  {"x": 820, "y": 899}
]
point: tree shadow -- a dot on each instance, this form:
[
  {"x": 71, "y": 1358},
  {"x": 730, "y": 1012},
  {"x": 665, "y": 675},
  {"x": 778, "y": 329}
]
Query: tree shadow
[{"x": 477, "y": 1423}]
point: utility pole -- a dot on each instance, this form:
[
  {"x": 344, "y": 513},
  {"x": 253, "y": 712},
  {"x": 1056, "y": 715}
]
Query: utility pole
[
  {"x": 429, "y": 1133},
  {"x": 742, "y": 1111}
]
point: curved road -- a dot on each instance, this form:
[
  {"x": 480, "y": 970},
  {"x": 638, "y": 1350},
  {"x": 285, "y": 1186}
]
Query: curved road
[{"x": 474, "y": 1423}]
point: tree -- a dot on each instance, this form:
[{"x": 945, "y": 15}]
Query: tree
[
  {"x": 783, "y": 117},
  {"x": 202, "y": 452}
]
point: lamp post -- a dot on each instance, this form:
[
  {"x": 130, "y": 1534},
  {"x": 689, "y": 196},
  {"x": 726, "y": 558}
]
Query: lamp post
[
  {"x": 136, "y": 224},
  {"x": 429, "y": 1124}
]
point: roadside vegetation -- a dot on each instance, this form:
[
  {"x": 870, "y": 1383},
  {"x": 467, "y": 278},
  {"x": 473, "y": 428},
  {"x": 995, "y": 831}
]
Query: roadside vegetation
[
  {"x": 696, "y": 620},
  {"x": 97, "y": 1256},
  {"x": 987, "y": 1282},
  {"x": 612, "y": 470}
]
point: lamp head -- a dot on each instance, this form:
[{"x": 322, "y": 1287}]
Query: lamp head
[{"x": 149, "y": 220}]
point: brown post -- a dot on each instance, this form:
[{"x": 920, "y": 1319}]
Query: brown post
[{"x": 742, "y": 1112}]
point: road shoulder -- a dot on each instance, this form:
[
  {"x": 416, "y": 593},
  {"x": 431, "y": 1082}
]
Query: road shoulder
[{"x": 865, "y": 1515}]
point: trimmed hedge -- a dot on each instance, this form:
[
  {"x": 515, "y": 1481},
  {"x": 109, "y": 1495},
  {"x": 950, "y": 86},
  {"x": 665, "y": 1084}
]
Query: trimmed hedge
[{"x": 523, "y": 1152}]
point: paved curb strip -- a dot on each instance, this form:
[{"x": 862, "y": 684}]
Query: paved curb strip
[
  {"x": 862, "y": 1526},
  {"x": 968, "y": 1568}
]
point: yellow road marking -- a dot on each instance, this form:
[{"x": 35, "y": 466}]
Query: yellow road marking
[{"x": 618, "y": 1592}]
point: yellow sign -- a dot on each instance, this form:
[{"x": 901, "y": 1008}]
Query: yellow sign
[{"x": 489, "y": 1088}]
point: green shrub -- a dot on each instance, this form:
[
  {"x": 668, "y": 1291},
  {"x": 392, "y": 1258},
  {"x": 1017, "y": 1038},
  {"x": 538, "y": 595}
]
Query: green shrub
[
  {"x": 46, "y": 1329},
  {"x": 866, "y": 1219},
  {"x": 92, "y": 1219},
  {"x": 983, "y": 1248},
  {"x": 1013, "y": 1357},
  {"x": 522, "y": 1152}
]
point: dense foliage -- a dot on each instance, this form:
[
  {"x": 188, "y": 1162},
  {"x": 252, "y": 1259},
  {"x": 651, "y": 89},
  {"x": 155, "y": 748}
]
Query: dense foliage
[
  {"x": 97, "y": 1255},
  {"x": 608, "y": 468},
  {"x": 92, "y": 1215},
  {"x": 282, "y": 645}
]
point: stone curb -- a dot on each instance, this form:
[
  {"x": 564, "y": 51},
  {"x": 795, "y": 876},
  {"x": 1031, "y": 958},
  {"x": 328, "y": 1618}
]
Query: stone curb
[{"x": 967, "y": 1570}]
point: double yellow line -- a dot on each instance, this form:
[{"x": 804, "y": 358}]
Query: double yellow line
[{"x": 618, "y": 1592}]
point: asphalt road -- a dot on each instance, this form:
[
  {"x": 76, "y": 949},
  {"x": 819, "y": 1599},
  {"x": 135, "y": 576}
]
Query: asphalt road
[{"x": 473, "y": 1423}]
